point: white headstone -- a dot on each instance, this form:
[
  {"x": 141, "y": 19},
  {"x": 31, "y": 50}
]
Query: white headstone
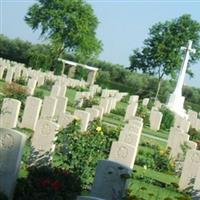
[
  {"x": 104, "y": 103},
  {"x": 190, "y": 168},
  {"x": 65, "y": 119},
  {"x": 133, "y": 99},
  {"x": 197, "y": 185},
  {"x": 61, "y": 106},
  {"x": 182, "y": 123},
  {"x": 9, "y": 75},
  {"x": 31, "y": 86},
  {"x": 11, "y": 147},
  {"x": 84, "y": 116},
  {"x": 31, "y": 112},
  {"x": 101, "y": 111},
  {"x": 1, "y": 72},
  {"x": 176, "y": 139},
  {"x": 131, "y": 111},
  {"x": 155, "y": 120},
  {"x": 94, "y": 113},
  {"x": 43, "y": 139},
  {"x": 55, "y": 91},
  {"x": 48, "y": 108},
  {"x": 9, "y": 113},
  {"x": 145, "y": 101},
  {"x": 123, "y": 153}
]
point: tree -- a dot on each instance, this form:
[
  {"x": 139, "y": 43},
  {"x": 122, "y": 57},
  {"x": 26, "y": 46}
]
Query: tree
[
  {"x": 68, "y": 24},
  {"x": 161, "y": 55}
]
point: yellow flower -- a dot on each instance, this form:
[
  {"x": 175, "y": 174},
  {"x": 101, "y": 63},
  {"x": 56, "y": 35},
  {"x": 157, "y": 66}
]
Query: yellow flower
[
  {"x": 162, "y": 152},
  {"x": 172, "y": 164},
  {"x": 98, "y": 129},
  {"x": 77, "y": 118}
]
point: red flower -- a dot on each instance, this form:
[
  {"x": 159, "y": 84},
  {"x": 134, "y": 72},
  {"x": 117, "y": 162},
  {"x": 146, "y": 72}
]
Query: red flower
[
  {"x": 56, "y": 185},
  {"x": 45, "y": 182}
]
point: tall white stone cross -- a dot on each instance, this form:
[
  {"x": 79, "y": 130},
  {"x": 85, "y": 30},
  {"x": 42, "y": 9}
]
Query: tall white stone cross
[{"x": 176, "y": 100}]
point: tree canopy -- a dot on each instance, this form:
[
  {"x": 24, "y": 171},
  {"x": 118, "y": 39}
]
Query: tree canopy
[
  {"x": 68, "y": 24},
  {"x": 161, "y": 54}
]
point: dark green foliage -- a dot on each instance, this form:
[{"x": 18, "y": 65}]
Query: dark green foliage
[
  {"x": 48, "y": 183},
  {"x": 81, "y": 73},
  {"x": 3, "y": 197},
  {"x": 119, "y": 111},
  {"x": 168, "y": 118},
  {"x": 71, "y": 26},
  {"x": 39, "y": 93},
  {"x": 144, "y": 113},
  {"x": 157, "y": 159},
  {"x": 47, "y": 85},
  {"x": 79, "y": 153},
  {"x": 14, "y": 49},
  {"x": 88, "y": 103},
  {"x": 21, "y": 81},
  {"x": 195, "y": 136}
]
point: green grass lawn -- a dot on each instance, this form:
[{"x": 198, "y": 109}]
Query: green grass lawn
[
  {"x": 149, "y": 191},
  {"x": 161, "y": 133},
  {"x": 2, "y": 84},
  {"x": 153, "y": 141},
  {"x": 70, "y": 94},
  {"x": 160, "y": 176}
]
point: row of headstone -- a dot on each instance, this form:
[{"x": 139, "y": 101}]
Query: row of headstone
[
  {"x": 186, "y": 155},
  {"x": 145, "y": 102},
  {"x": 190, "y": 176},
  {"x": 50, "y": 108},
  {"x": 15, "y": 71},
  {"x": 182, "y": 123},
  {"x": 177, "y": 140},
  {"x": 111, "y": 175},
  {"x": 155, "y": 119},
  {"x": 194, "y": 120},
  {"x": 96, "y": 111},
  {"x": 108, "y": 93},
  {"x": 131, "y": 108}
]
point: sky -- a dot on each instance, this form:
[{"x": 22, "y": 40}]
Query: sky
[{"x": 123, "y": 26}]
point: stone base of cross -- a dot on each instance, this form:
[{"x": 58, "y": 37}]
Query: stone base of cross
[{"x": 176, "y": 105}]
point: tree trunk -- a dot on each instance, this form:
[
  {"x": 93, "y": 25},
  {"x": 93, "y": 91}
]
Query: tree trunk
[
  {"x": 158, "y": 88},
  {"x": 60, "y": 51}
]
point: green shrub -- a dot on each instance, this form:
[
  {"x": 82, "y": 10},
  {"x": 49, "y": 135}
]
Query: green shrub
[
  {"x": 87, "y": 103},
  {"x": 3, "y": 197},
  {"x": 157, "y": 159},
  {"x": 81, "y": 73},
  {"x": 39, "y": 93},
  {"x": 195, "y": 136},
  {"x": 47, "y": 183},
  {"x": 21, "y": 81},
  {"x": 168, "y": 118},
  {"x": 144, "y": 113},
  {"x": 47, "y": 85},
  {"x": 119, "y": 111},
  {"x": 79, "y": 153}
]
